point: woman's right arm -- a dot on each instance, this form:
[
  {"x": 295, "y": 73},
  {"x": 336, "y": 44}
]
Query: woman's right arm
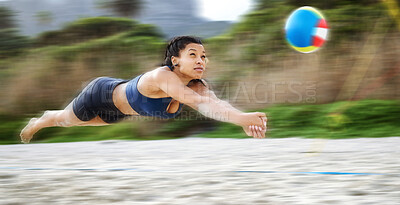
[{"x": 206, "y": 105}]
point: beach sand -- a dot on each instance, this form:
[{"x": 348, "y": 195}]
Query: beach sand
[{"x": 203, "y": 171}]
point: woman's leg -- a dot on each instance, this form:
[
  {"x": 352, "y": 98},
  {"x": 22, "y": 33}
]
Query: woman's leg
[{"x": 56, "y": 118}]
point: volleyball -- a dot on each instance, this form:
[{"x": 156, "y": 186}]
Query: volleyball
[{"x": 306, "y": 29}]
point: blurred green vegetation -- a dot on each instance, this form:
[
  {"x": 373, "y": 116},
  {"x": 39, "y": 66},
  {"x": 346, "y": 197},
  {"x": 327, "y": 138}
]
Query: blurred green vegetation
[
  {"x": 347, "y": 119},
  {"x": 316, "y": 3},
  {"x": 84, "y": 35},
  {"x": 12, "y": 43},
  {"x": 261, "y": 31},
  {"x": 125, "y": 8},
  {"x": 116, "y": 43},
  {"x": 7, "y": 18},
  {"x": 98, "y": 34},
  {"x": 93, "y": 28}
]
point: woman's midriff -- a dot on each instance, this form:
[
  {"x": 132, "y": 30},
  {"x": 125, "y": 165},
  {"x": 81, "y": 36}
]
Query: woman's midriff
[{"x": 120, "y": 100}]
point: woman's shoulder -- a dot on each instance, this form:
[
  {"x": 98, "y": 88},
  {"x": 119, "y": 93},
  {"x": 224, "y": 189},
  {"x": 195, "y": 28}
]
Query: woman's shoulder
[
  {"x": 164, "y": 74},
  {"x": 156, "y": 72},
  {"x": 150, "y": 81},
  {"x": 158, "y": 75},
  {"x": 161, "y": 73}
]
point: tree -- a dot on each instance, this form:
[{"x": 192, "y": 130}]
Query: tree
[
  {"x": 6, "y": 18},
  {"x": 124, "y": 8},
  {"x": 331, "y": 3},
  {"x": 12, "y": 43},
  {"x": 44, "y": 17},
  {"x": 263, "y": 4}
]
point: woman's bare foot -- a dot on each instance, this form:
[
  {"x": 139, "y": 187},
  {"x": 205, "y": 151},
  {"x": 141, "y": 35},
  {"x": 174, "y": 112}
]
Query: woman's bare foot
[{"x": 27, "y": 133}]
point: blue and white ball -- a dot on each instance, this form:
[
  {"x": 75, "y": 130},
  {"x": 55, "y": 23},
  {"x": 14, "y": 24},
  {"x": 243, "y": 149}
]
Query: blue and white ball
[{"x": 306, "y": 29}]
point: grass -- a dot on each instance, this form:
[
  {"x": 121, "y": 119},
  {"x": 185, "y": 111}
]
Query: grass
[{"x": 353, "y": 119}]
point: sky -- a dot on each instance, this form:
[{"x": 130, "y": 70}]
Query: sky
[{"x": 224, "y": 10}]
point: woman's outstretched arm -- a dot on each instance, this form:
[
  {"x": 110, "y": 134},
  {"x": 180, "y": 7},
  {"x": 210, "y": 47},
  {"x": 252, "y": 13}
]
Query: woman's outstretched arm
[
  {"x": 205, "y": 90},
  {"x": 254, "y": 124}
]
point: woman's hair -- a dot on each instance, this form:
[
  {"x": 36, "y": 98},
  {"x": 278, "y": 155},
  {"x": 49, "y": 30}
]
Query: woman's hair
[{"x": 176, "y": 45}]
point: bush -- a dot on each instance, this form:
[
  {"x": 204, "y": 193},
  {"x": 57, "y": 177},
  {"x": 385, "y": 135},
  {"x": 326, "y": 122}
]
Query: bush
[
  {"x": 350, "y": 22},
  {"x": 11, "y": 43},
  {"x": 366, "y": 118},
  {"x": 373, "y": 113},
  {"x": 145, "y": 30},
  {"x": 85, "y": 29}
]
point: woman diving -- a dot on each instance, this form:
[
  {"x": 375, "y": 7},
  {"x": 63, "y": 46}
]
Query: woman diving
[{"x": 159, "y": 93}]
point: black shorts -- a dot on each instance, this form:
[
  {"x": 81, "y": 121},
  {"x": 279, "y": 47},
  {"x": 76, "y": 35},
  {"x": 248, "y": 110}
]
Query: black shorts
[{"x": 96, "y": 100}]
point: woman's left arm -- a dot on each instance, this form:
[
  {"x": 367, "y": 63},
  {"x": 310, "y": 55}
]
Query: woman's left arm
[{"x": 204, "y": 90}]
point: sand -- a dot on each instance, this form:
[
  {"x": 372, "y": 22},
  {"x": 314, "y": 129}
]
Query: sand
[{"x": 203, "y": 171}]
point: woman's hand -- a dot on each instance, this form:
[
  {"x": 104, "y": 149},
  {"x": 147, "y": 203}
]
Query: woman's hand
[{"x": 254, "y": 124}]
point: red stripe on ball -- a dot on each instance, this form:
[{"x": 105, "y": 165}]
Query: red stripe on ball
[
  {"x": 322, "y": 24},
  {"x": 317, "y": 41}
]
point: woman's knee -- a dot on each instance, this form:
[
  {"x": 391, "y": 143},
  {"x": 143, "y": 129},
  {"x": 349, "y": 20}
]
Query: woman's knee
[{"x": 67, "y": 118}]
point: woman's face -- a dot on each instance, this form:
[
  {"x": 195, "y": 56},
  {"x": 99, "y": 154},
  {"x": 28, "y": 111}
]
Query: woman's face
[{"x": 191, "y": 60}]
